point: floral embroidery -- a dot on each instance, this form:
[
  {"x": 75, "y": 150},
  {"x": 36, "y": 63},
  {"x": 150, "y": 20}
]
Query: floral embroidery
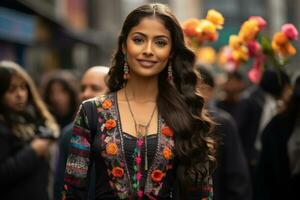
[
  {"x": 167, "y": 153},
  {"x": 157, "y": 176},
  {"x": 106, "y": 104},
  {"x": 111, "y": 142},
  {"x": 110, "y": 124},
  {"x": 111, "y": 149},
  {"x": 167, "y": 131},
  {"x": 117, "y": 172}
]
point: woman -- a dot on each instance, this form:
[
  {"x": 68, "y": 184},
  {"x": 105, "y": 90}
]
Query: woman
[
  {"x": 26, "y": 132},
  {"x": 278, "y": 169},
  {"x": 61, "y": 97},
  {"x": 149, "y": 137}
]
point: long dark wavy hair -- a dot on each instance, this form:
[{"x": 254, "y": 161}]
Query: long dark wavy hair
[
  {"x": 8, "y": 70},
  {"x": 178, "y": 102}
]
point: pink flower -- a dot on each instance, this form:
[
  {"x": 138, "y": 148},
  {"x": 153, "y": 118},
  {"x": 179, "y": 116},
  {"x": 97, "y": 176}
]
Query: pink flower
[
  {"x": 138, "y": 160},
  {"x": 138, "y": 176},
  {"x": 256, "y": 72},
  {"x": 140, "y": 142},
  {"x": 140, "y": 193},
  {"x": 254, "y": 48},
  {"x": 290, "y": 31},
  {"x": 261, "y": 21}
]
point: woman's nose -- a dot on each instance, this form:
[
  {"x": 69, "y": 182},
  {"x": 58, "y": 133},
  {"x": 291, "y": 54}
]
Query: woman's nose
[{"x": 148, "y": 49}]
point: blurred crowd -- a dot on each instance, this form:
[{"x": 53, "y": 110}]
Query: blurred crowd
[{"x": 257, "y": 126}]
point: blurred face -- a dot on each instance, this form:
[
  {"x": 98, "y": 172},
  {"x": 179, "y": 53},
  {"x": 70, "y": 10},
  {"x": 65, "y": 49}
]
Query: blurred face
[
  {"x": 148, "y": 48},
  {"x": 16, "y": 97},
  {"x": 92, "y": 85},
  {"x": 59, "y": 98}
]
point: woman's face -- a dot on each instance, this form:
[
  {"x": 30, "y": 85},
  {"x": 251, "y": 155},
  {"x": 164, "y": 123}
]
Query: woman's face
[
  {"x": 59, "y": 98},
  {"x": 148, "y": 47},
  {"x": 16, "y": 97}
]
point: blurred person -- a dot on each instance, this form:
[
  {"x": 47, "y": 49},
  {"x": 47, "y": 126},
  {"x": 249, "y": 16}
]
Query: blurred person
[
  {"x": 231, "y": 178},
  {"x": 92, "y": 84},
  {"x": 149, "y": 137},
  {"x": 61, "y": 96},
  {"x": 232, "y": 90},
  {"x": 27, "y": 130},
  {"x": 258, "y": 105},
  {"x": 278, "y": 171}
]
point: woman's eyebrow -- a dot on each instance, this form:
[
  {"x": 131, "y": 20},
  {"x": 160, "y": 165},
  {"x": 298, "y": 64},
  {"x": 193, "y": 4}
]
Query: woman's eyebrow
[{"x": 145, "y": 35}]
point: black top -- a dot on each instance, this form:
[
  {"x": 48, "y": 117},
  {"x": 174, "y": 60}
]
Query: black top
[{"x": 129, "y": 142}]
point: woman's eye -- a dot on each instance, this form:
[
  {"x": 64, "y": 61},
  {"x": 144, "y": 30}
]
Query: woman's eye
[
  {"x": 138, "y": 40},
  {"x": 161, "y": 43}
]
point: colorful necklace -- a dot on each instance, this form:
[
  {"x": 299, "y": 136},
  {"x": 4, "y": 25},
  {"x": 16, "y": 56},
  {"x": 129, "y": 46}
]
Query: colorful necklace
[{"x": 141, "y": 133}]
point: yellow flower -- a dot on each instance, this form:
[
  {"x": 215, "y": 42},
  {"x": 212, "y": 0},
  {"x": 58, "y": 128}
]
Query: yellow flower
[
  {"x": 235, "y": 42},
  {"x": 216, "y": 18},
  {"x": 249, "y": 30},
  {"x": 208, "y": 31}
]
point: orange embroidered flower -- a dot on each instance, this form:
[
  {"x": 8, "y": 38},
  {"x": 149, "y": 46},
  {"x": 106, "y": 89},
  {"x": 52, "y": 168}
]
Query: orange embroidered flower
[
  {"x": 167, "y": 131},
  {"x": 157, "y": 176},
  {"x": 106, "y": 104},
  {"x": 167, "y": 153},
  {"x": 117, "y": 172},
  {"x": 111, "y": 149},
  {"x": 110, "y": 124}
]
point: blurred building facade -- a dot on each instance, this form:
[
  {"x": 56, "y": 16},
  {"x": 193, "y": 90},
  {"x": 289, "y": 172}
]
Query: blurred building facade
[{"x": 74, "y": 34}]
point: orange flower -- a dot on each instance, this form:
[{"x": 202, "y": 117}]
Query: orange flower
[
  {"x": 291, "y": 51},
  {"x": 167, "y": 153},
  {"x": 216, "y": 18},
  {"x": 207, "y": 30},
  {"x": 280, "y": 38},
  {"x": 106, "y": 104},
  {"x": 111, "y": 149},
  {"x": 167, "y": 131},
  {"x": 110, "y": 124},
  {"x": 117, "y": 172},
  {"x": 190, "y": 27},
  {"x": 157, "y": 176}
]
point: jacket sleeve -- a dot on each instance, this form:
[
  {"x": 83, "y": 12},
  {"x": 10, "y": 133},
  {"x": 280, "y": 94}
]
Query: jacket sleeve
[
  {"x": 15, "y": 166},
  {"x": 75, "y": 179}
]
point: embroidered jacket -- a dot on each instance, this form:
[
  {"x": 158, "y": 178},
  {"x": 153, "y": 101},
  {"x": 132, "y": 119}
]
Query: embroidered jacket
[{"x": 103, "y": 144}]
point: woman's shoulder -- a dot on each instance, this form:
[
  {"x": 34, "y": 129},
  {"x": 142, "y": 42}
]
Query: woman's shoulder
[{"x": 103, "y": 102}]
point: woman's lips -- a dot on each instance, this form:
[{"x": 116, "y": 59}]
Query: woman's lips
[{"x": 147, "y": 63}]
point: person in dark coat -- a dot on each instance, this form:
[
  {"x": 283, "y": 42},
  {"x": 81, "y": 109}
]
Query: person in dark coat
[
  {"x": 92, "y": 84},
  {"x": 256, "y": 108},
  {"x": 231, "y": 178},
  {"x": 278, "y": 169},
  {"x": 26, "y": 132}
]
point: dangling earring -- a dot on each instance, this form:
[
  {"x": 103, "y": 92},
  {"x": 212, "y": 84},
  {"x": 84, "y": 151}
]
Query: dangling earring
[
  {"x": 126, "y": 74},
  {"x": 170, "y": 73}
]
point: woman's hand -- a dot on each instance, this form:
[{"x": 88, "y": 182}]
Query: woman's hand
[{"x": 41, "y": 146}]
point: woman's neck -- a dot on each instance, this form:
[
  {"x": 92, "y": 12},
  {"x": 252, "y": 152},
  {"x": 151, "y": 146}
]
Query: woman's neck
[{"x": 142, "y": 90}]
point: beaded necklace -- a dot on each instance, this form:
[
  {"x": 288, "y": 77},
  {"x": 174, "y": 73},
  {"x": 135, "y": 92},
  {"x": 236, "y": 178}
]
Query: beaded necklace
[{"x": 141, "y": 133}]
